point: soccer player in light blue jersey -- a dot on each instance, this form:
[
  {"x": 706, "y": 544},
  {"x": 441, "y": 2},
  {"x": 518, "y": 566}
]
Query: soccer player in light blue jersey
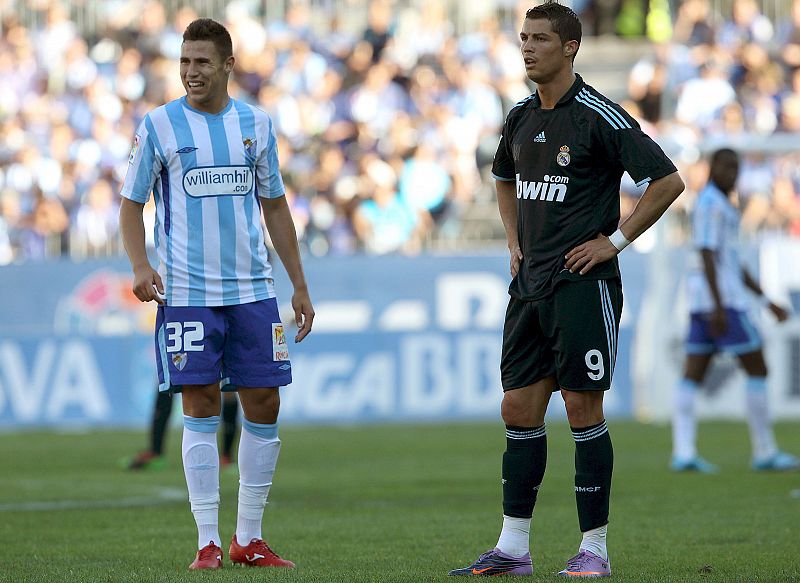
[
  {"x": 719, "y": 288},
  {"x": 211, "y": 163}
]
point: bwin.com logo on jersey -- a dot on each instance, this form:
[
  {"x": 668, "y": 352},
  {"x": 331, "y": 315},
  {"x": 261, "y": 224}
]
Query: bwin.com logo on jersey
[{"x": 552, "y": 189}]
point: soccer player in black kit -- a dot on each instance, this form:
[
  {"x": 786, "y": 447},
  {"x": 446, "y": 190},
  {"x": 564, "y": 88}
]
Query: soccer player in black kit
[{"x": 558, "y": 169}]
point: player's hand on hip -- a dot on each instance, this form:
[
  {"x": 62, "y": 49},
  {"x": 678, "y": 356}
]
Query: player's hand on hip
[
  {"x": 147, "y": 285},
  {"x": 586, "y": 255},
  {"x": 516, "y": 259},
  {"x": 303, "y": 313}
]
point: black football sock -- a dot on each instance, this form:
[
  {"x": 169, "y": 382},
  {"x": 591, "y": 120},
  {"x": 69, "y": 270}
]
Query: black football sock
[
  {"x": 594, "y": 462},
  {"x": 524, "y": 462}
]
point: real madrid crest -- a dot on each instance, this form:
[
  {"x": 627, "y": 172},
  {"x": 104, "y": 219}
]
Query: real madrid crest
[{"x": 562, "y": 158}]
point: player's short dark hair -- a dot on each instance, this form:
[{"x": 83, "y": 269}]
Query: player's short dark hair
[
  {"x": 563, "y": 20},
  {"x": 208, "y": 29},
  {"x": 723, "y": 152}
]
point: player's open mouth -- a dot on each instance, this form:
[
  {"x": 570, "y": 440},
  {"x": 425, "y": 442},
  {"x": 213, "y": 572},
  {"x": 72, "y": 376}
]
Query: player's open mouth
[{"x": 194, "y": 84}]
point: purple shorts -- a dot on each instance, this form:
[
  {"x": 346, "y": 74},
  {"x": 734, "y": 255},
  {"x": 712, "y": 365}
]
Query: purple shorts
[
  {"x": 740, "y": 337},
  {"x": 243, "y": 345}
]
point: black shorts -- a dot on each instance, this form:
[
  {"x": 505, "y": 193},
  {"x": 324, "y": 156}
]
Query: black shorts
[{"x": 571, "y": 334}]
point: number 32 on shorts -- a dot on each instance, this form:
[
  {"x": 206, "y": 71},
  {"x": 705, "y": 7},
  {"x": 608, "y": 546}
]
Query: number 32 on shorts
[
  {"x": 594, "y": 362},
  {"x": 186, "y": 336}
]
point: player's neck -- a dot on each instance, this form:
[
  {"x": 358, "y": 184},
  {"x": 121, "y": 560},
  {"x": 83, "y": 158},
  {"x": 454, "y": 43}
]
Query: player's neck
[
  {"x": 722, "y": 190},
  {"x": 551, "y": 91},
  {"x": 211, "y": 107}
]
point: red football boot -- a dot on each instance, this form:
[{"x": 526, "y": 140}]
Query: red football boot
[
  {"x": 256, "y": 554},
  {"x": 209, "y": 557}
]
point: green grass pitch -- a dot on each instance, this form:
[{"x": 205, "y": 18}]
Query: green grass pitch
[{"x": 394, "y": 503}]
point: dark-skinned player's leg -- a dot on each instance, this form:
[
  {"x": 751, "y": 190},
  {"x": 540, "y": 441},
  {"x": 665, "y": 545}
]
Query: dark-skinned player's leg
[
  {"x": 230, "y": 426},
  {"x": 152, "y": 457}
]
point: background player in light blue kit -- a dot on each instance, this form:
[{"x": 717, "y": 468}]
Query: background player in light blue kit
[
  {"x": 212, "y": 164},
  {"x": 719, "y": 300}
]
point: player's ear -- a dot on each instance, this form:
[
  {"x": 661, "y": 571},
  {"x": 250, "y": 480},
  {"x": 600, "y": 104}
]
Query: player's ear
[{"x": 229, "y": 64}]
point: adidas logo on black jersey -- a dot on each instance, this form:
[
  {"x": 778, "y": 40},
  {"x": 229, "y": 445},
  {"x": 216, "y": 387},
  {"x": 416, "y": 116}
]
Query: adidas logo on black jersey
[{"x": 540, "y": 138}]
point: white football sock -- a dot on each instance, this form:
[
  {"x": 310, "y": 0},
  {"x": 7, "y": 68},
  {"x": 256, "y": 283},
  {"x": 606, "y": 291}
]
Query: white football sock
[
  {"x": 595, "y": 541},
  {"x": 762, "y": 438},
  {"x": 684, "y": 422},
  {"x": 201, "y": 467},
  {"x": 515, "y": 536},
  {"x": 259, "y": 447}
]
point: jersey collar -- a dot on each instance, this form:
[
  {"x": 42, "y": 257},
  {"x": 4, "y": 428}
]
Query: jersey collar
[
  {"x": 223, "y": 111},
  {"x": 566, "y": 98}
]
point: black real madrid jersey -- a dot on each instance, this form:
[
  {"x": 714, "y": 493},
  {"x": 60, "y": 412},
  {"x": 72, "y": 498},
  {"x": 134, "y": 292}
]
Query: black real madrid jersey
[{"x": 567, "y": 163}]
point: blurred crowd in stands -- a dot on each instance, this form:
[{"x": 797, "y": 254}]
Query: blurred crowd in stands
[
  {"x": 734, "y": 81},
  {"x": 386, "y": 136}
]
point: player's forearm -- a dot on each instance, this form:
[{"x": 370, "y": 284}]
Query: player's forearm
[
  {"x": 507, "y": 203},
  {"x": 660, "y": 194},
  {"x": 710, "y": 271},
  {"x": 131, "y": 227},
  {"x": 751, "y": 283},
  {"x": 280, "y": 225}
]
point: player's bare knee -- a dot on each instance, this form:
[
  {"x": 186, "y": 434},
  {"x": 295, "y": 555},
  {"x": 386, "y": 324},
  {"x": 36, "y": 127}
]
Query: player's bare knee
[
  {"x": 509, "y": 412},
  {"x": 260, "y": 405},
  {"x": 201, "y": 401},
  {"x": 583, "y": 408},
  {"x": 754, "y": 364},
  {"x": 517, "y": 412}
]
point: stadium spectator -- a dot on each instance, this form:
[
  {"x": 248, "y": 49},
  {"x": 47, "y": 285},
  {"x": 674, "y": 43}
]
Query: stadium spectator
[
  {"x": 384, "y": 221},
  {"x": 646, "y": 85},
  {"x": 424, "y": 183},
  {"x": 704, "y": 97},
  {"x": 787, "y": 194},
  {"x": 378, "y": 32},
  {"x": 788, "y": 38},
  {"x": 694, "y": 25},
  {"x": 747, "y": 24},
  {"x": 95, "y": 227},
  {"x": 42, "y": 227},
  {"x": 718, "y": 293}
]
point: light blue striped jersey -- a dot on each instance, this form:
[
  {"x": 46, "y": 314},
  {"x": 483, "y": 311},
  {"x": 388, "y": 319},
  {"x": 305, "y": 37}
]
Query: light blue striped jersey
[
  {"x": 207, "y": 173},
  {"x": 715, "y": 226}
]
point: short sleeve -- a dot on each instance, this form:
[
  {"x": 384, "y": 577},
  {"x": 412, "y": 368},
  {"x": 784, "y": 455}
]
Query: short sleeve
[
  {"x": 626, "y": 144},
  {"x": 144, "y": 164},
  {"x": 707, "y": 226},
  {"x": 269, "y": 183},
  {"x": 503, "y": 166}
]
